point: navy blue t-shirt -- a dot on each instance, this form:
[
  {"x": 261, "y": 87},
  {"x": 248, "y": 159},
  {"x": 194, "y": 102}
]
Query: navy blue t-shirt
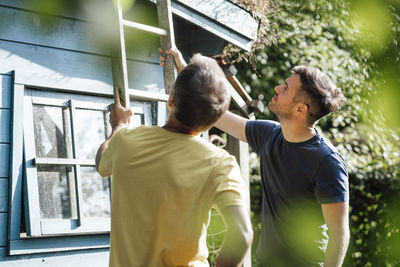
[{"x": 296, "y": 179}]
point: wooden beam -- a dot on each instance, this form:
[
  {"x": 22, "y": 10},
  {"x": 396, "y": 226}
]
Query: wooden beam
[
  {"x": 165, "y": 22},
  {"x": 253, "y": 105},
  {"x": 239, "y": 88},
  {"x": 240, "y": 150}
]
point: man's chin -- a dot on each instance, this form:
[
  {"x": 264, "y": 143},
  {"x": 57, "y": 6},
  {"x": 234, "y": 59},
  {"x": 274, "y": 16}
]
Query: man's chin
[{"x": 271, "y": 107}]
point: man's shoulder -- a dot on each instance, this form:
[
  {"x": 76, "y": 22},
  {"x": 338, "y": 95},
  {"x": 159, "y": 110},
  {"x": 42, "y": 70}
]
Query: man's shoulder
[
  {"x": 258, "y": 132},
  {"x": 208, "y": 147},
  {"x": 327, "y": 149},
  {"x": 263, "y": 123},
  {"x": 329, "y": 155}
]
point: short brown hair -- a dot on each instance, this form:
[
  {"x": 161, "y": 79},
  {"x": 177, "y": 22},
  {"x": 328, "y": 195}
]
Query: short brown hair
[
  {"x": 318, "y": 91},
  {"x": 200, "y": 93}
]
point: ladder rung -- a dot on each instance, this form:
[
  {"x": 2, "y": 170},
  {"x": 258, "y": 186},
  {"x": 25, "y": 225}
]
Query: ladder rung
[
  {"x": 144, "y": 95},
  {"x": 143, "y": 27}
]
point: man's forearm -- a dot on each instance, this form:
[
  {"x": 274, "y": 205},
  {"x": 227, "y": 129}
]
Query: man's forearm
[
  {"x": 336, "y": 250},
  {"x": 233, "y": 250},
  {"x": 238, "y": 237},
  {"x": 233, "y": 125}
]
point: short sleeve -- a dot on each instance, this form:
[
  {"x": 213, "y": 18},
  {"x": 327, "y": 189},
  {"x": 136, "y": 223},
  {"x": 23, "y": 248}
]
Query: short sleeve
[
  {"x": 331, "y": 180},
  {"x": 105, "y": 165},
  {"x": 226, "y": 185},
  {"x": 258, "y": 132}
]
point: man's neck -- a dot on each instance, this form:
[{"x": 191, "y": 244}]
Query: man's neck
[
  {"x": 173, "y": 125},
  {"x": 296, "y": 132}
]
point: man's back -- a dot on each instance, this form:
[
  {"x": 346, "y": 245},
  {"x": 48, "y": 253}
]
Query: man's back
[{"x": 163, "y": 187}]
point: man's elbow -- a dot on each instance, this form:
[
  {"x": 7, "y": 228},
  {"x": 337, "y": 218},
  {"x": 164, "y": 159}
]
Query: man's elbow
[
  {"x": 248, "y": 236},
  {"x": 346, "y": 237},
  {"x": 341, "y": 237},
  {"x": 244, "y": 238}
]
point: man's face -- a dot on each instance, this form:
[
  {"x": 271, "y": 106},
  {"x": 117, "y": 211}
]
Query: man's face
[{"x": 282, "y": 104}]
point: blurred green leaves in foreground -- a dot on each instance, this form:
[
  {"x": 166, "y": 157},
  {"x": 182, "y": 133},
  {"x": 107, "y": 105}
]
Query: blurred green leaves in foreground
[{"x": 378, "y": 25}]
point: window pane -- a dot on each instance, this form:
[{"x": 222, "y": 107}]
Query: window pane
[
  {"x": 51, "y": 129},
  {"x": 56, "y": 192},
  {"x": 96, "y": 193},
  {"x": 90, "y": 132}
]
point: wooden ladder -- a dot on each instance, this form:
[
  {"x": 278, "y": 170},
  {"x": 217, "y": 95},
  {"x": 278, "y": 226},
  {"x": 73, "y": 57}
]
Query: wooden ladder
[{"x": 118, "y": 52}]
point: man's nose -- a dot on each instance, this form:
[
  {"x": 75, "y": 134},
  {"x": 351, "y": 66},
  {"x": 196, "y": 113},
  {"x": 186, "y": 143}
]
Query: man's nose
[{"x": 277, "y": 89}]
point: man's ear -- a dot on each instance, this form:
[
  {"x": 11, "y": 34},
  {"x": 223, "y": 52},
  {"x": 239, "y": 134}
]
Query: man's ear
[
  {"x": 170, "y": 102},
  {"x": 301, "y": 109}
]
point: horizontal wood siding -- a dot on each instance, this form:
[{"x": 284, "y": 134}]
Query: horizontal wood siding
[
  {"x": 3, "y": 195},
  {"x": 4, "y": 160},
  {"x": 5, "y": 92},
  {"x": 90, "y": 258},
  {"x": 25, "y": 5},
  {"x": 25, "y": 27},
  {"x": 4, "y": 125},
  {"x": 69, "y": 54},
  {"x": 70, "y": 34},
  {"x": 71, "y": 70},
  {"x": 3, "y": 229}
]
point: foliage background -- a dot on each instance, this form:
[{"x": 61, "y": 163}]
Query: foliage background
[{"x": 357, "y": 44}]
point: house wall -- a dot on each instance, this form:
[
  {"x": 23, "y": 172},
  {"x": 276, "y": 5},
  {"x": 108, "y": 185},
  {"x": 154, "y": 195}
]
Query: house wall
[
  {"x": 97, "y": 257},
  {"x": 65, "y": 55}
]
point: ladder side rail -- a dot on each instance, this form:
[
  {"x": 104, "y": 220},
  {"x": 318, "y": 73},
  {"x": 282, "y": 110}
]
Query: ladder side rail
[
  {"x": 164, "y": 15},
  {"x": 118, "y": 56}
]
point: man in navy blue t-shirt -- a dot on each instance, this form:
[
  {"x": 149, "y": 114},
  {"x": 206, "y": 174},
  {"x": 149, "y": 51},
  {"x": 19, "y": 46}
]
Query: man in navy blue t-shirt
[{"x": 304, "y": 179}]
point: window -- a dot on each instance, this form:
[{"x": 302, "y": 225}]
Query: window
[{"x": 62, "y": 132}]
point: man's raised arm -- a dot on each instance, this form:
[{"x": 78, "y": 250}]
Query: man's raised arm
[
  {"x": 230, "y": 123},
  {"x": 233, "y": 125}
]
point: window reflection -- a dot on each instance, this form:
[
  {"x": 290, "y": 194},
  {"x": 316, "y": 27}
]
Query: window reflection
[
  {"x": 96, "y": 193},
  {"x": 51, "y": 132},
  {"x": 90, "y": 132},
  {"x": 56, "y": 192}
]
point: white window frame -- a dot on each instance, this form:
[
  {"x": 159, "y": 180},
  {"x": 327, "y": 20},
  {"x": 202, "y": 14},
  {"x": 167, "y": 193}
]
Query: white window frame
[
  {"x": 68, "y": 240},
  {"x": 36, "y": 226}
]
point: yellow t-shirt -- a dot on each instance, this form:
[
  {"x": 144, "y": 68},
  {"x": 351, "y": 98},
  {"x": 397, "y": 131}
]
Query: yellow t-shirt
[{"x": 163, "y": 187}]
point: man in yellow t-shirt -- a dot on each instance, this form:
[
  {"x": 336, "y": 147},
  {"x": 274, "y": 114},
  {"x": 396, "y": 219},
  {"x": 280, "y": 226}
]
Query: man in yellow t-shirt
[{"x": 165, "y": 180}]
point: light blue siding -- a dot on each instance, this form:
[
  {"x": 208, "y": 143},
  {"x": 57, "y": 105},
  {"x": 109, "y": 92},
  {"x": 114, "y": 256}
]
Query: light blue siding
[
  {"x": 4, "y": 125},
  {"x": 90, "y": 258},
  {"x": 23, "y": 4},
  {"x": 71, "y": 70},
  {"x": 24, "y": 26},
  {"x": 3, "y": 229},
  {"x": 3, "y": 195},
  {"x": 5, "y": 91},
  {"x": 4, "y": 160}
]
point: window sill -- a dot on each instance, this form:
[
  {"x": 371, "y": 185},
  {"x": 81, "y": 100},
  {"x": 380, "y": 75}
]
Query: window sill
[{"x": 58, "y": 243}]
